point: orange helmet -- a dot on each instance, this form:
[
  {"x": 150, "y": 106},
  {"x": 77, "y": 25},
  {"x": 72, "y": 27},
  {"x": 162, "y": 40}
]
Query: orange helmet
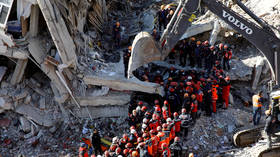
[
  {"x": 175, "y": 114},
  {"x": 134, "y": 154},
  {"x": 198, "y": 42},
  {"x": 130, "y": 48},
  {"x": 125, "y": 152},
  {"x": 165, "y": 102},
  {"x": 192, "y": 38}
]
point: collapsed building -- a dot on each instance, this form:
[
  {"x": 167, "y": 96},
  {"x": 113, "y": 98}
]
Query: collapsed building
[{"x": 57, "y": 63}]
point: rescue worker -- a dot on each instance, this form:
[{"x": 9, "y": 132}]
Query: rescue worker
[
  {"x": 154, "y": 123},
  {"x": 214, "y": 96},
  {"x": 162, "y": 17},
  {"x": 206, "y": 54},
  {"x": 155, "y": 35},
  {"x": 123, "y": 141},
  {"x": 142, "y": 149},
  {"x": 212, "y": 58},
  {"x": 173, "y": 100},
  {"x": 169, "y": 17},
  {"x": 176, "y": 147},
  {"x": 187, "y": 102},
  {"x": 117, "y": 34},
  {"x": 126, "y": 56},
  {"x": 153, "y": 143},
  {"x": 198, "y": 54},
  {"x": 226, "y": 91},
  {"x": 220, "y": 51},
  {"x": 226, "y": 57},
  {"x": 117, "y": 152},
  {"x": 194, "y": 107},
  {"x": 269, "y": 126},
  {"x": 177, "y": 123},
  {"x": 192, "y": 51},
  {"x": 257, "y": 110},
  {"x": 165, "y": 150},
  {"x": 96, "y": 142},
  {"x": 86, "y": 149},
  {"x": 186, "y": 122},
  {"x": 183, "y": 52}
]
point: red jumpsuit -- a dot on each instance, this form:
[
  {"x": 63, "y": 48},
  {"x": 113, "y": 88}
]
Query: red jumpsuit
[
  {"x": 214, "y": 97},
  {"x": 225, "y": 94}
]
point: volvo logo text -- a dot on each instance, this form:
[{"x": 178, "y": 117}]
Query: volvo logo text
[{"x": 237, "y": 23}]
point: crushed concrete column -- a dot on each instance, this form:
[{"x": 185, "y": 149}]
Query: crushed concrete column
[
  {"x": 34, "y": 20},
  {"x": 258, "y": 71},
  {"x": 216, "y": 30},
  {"x": 19, "y": 71}
]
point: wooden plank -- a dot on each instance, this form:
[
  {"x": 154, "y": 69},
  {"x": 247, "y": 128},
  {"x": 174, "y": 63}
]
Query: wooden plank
[
  {"x": 34, "y": 20},
  {"x": 19, "y": 71}
]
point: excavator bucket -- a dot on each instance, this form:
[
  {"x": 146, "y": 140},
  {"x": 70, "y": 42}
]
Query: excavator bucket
[{"x": 144, "y": 50}]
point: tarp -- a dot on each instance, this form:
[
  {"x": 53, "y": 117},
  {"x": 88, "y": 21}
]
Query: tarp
[{"x": 23, "y": 9}]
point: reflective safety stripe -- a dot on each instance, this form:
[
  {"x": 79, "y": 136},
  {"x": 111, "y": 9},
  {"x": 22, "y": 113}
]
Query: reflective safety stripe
[{"x": 256, "y": 102}]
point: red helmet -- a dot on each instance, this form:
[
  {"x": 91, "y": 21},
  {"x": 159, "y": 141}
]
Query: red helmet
[
  {"x": 156, "y": 102},
  {"x": 189, "y": 83},
  {"x": 171, "y": 90},
  {"x": 206, "y": 42},
  {"x": 164, "y": 125},
  {"x": 113, "y": 147},
  {"x": 128, "y": 145},
  {"x": 157, "y": 109},
  {"x": 152, "y": 132},
  {"x": 175, "y": 114},
  {"x": 164, "y": 146},
  {"x": 165, "y": 102},
  {"x": 184, "y": 110},
  {"x": 159, "y": 128},
  {"x": 125, "y": 152},
  {"x": 132, "y": 127},
  {"x": 221, "y": 45},
  {"x": 124, "y": 136},
  {"x": 212, "y": 47},
  {"x": 140, "y": 103},
  {"x": 118, "y": 150},
  {"x": 226, "y": 46},
  {"x": 177, "y": 139},
  {"x": 227, "y": 78},
  {"x": 145, "y": 135},
  {"x": 139, "y": 139},
  {"x": 144, "y": 108}
]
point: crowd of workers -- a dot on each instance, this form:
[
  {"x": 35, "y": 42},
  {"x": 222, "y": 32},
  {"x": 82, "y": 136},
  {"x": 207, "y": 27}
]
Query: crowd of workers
[{"x": 158, "y": 128}]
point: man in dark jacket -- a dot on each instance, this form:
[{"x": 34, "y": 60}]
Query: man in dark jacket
[
  {"x": 176, "y": 147},
  {"x": 162, "y": 17},
  {"x": 96, "y": 142}
]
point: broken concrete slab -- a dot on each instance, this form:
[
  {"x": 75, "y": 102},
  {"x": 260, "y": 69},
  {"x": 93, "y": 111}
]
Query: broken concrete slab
[
  {"x": 5, "y": 122},
  {"x": 38, "y": 116},
  {"x": 2, "y": 72},
  {"x": 240, "y": 71},
  {"x": 122, "y": 84},
  {"x": 14, "y": 53},
  {"x": 25, "y": 124},
  {"x": 144, "y": 50},
  {"x": 198, "y": 29},
  {"x": 102, "y": 111},
  {"x": 5, "y": 105},
  {"x": 258, "y": 71},
  {"x": 38, "y": 53},
  {"x": 19, "y": 71},
  {"x": 42, "y": 103},
  {"x": 20, "y": 94},
  {"x": 59, "y": 32},
  {"x": 113, "y": 98}
]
